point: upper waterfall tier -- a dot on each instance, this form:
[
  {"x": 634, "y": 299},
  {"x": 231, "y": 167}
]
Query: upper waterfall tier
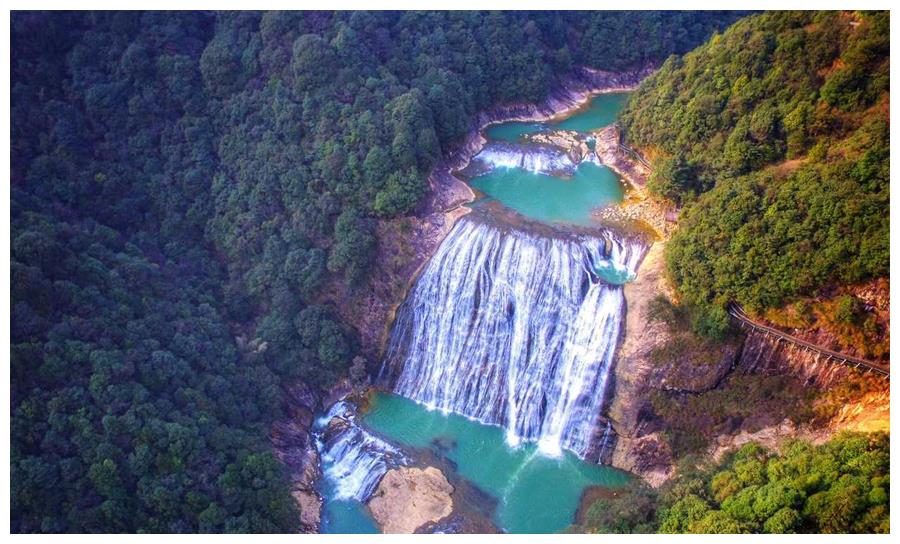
[
  {"x": 514, "y": 329},
  {"x": 542, "y": 159}
]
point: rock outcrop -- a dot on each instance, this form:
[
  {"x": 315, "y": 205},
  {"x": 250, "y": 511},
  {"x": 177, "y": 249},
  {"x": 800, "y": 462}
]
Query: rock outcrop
[
  {"x": 574, "y": 143},
  {"x": 294, "y": 447},
  {"x": 654, "y": 358},
  {"x": 410, "y": 498},
  {"x": 639, "y": 205},
  {"x": 639, "y": 449},
  {"x": 606, "y": 147}
]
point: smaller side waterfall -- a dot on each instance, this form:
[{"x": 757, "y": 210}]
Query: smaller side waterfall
[
  {"x": 534, "y": 158},
  {"x": 355, "y": 459}
]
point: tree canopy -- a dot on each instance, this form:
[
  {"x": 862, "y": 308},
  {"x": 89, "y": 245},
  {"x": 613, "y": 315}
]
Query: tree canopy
[
  {"x": 841, "y": 486},
  {"x": 184, "y": 184},
  {"x": 774, "y": 136}
]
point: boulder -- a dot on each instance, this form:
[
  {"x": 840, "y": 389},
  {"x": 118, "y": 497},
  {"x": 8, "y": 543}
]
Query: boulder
[{"x": 409, "y": 498}]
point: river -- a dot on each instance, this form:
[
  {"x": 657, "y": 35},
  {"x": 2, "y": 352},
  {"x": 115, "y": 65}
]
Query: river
[{"x": 499, "y": 358}]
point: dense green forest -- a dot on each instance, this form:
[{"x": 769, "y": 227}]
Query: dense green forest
[
  {"x": 774, "y": 136},
  {"x": 182, "y": 186},
  {"x": 842, "y": 486}
]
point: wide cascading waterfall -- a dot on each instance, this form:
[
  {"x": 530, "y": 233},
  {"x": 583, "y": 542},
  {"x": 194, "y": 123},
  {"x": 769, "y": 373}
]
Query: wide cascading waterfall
[
  {"x": 533, "y": 158},
  {"x": 355, "y": 459},
  {"x": 514, "y": 329}
]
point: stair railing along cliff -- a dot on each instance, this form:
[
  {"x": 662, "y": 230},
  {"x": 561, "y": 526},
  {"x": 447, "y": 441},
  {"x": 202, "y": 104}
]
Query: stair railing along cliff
[
  {"x": 867, "y": 366},
  {"x": 634, "y": 154},
  {"x": 745, "y": 321}
]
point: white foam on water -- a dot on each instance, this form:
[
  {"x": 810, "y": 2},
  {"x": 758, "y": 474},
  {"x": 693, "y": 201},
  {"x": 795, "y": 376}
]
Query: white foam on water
[{"x": 514, "y": 329}]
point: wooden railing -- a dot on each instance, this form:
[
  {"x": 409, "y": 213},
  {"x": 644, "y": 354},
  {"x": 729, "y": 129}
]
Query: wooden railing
[
  {"x": 633, "y": 152},
  {"x": 746, "y": 321},
  {"x": 866, "y": 366}
]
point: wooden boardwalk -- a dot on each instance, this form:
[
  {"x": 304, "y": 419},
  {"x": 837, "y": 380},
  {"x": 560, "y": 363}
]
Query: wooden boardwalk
[
  {"x": 866, "y": 366},
  {"x": 633, "y": 152},
  {"x": 747, "y": 322}
]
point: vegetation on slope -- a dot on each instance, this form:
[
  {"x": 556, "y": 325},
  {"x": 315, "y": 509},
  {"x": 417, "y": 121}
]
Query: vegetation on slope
[
  {"x": 841, "y": 486},
  {"x": 132, "y": 407},
  {"x": 774, "y": 137},
  {"x": 182, "y": 185}
]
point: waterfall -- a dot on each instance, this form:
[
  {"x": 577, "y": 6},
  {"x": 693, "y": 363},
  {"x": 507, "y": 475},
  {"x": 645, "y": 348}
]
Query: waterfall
[
  {"x": 604, "y": 442},
  {"x": 355, "y": 459},
  {"x": 534, "y": 158},
  {"x": 513, "y": 329}
]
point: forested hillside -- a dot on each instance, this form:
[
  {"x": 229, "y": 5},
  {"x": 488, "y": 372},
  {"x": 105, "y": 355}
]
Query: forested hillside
[
  {"x": 182, "y": 185},
  {"x": 842, "y": 486},
  {"x": 774, "y": 138}
]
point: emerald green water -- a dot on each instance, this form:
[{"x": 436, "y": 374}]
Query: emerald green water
[
  {"x": 553, "y": 199},
  {"x": 535, "y": 494},
  {"x": 614, "y": 275},
  {"x": 512, "y": 131},
  {"x": 603, "y": 111},
  {"x": 345, "y": 517}
]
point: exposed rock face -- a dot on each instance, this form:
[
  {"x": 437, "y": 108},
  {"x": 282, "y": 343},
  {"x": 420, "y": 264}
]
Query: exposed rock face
[
  {"x": 870, "y": 413},
  {"x": 653, "y": 359},
  {"x": 638, "y": 448},
  {"x": 294, "y": 447},
  {"x": 639, "y": 206},
  {"x": 647, "y": 455},
  {"x": 763, "y": 354},
  {"x": 310, "y": 509},
  {"x": 637, "y": 211},
  {"x": 606, "y": 146},
  {"x": 409, "y": 498},
  {"x": 649, "y": 360}
]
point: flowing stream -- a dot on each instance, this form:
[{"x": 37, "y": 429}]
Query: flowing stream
[{"x": 500, "y": 357}]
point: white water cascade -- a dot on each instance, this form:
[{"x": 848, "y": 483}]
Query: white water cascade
[
  {"x": 534, "y": 158},
  {"x": 514, "y": 329},
  {"x": 355, "y": 459}
]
